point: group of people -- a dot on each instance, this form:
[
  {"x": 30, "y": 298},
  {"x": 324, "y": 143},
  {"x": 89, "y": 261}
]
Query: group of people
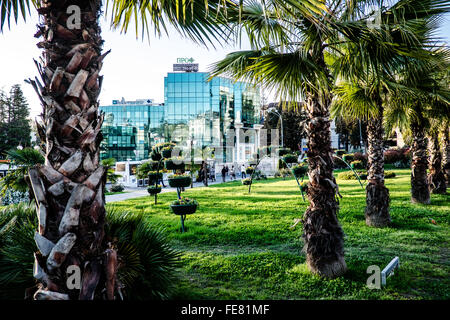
[
  {"x": 207, "y": 173},
  {"x": 232, "y": 172}
]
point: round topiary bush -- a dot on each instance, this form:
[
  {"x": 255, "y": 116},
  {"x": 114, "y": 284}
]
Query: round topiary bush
[
  {"x": 174, "y": 164},
  {"x": 304, "y": 187},
  {"x": 349, "y": 157},
  {"x": 349, "y": 175},
  {"x": 249, "y": 170},
  {"x": 357, "y": 164},
  {"x": 154, "y": 189},
  {"x": 389, "y": 174},
  {"x": 179, "y": 180},
  {"x": 300, "y": 170},
  {"x": 283, "y": 151},
  {"x": 153, "y": 176},
  {"x": 290, "y": 158},
  {"x": 117, "y": 188}
]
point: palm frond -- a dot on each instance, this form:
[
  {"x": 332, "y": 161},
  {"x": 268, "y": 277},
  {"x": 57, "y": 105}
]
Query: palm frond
[
  {"x": 200, "y": 20},
  {"x": 14, "y": 8}
]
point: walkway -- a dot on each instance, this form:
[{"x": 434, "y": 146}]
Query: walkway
[{"x": 136, "y": 192}]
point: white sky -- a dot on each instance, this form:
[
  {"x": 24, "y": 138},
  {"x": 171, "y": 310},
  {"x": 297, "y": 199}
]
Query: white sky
[{"x": 134, "y": 69}]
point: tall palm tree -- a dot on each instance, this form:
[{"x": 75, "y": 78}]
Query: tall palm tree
[
  {"x": 69, "y": 187},
  {"x": 366, "y": 100},
  {"x": 446, "y": 151},
  {"x": 290, "y": 44},
  {"x": 428, "y": 99},
  {"x": 436, "y": 177}
]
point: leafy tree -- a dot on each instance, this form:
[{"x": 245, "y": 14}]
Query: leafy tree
[
  {"x": 15, "y": 126},
  {"x": 294, "y": 120},
  {"x": 349, "y": 132}
]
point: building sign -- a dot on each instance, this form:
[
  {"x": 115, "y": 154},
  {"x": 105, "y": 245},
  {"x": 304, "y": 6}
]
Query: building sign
[
  {"x": 185, "y": 60},
  {"x": 186, "y": 65}
]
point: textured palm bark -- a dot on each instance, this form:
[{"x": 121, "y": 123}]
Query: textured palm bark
[
  {"x": 322, "y": 233},
  {"x": 446, "y": 154},
  {"x": 420, "y": 192},
  {"x": 436, "y": 178},
  {"x": 377, "y": 195},
  {"x": 69, "y": 188}
]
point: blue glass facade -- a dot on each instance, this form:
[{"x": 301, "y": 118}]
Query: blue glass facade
[
  {"x": 130, "y": 129},
  {"x": 193, "y": 107},
  {"x": 206, "y": 110}
]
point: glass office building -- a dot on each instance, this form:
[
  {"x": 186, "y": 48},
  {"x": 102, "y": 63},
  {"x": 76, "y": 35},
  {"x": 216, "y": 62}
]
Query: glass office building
[
  {"x": 194, "y": 111},
  {"x": 130, "y": 128},
  {"x": 207, "y": 111}
]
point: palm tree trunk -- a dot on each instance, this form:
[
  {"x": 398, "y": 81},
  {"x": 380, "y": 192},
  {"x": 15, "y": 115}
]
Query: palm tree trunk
[
  {"x": 377, "y": 195},
  {"x": 436, "y": 178},
  {"x": 419, "y": 185},
  {"x": 446, "y": 154},
  {"x": 322, "y": 233},
  {"x": 69, "y": 187}
]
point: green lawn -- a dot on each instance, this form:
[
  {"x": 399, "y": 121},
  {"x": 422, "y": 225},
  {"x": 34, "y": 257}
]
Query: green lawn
[{"x": 239, "y": 245}]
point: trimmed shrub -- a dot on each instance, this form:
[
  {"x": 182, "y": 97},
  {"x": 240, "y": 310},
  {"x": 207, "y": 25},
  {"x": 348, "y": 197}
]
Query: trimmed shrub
[
  {"x": 349, "y": 175},
  {"x": 283, "y": 151},
  {"x": 249, "y": 170},
  {"x": 348, "y": 157},
  {"x": 290, "y": 158},
  {"x": 389, "y": 174},
  {"x": 358, "y": 156},
  {"x": 300, "y": 170},
  {"x": 357, "y": 164},
  {"x": 338, "y": 163},
  {"x": 394, "y": 155},
  {"x": 184, "y": 206},
  {"x": 154, "y": 189},
  {"x": 174, "y": 164},
  {"x": 179, "y": 180},
  {"x": 117, "y": 188},
  {"x": 153, "y": 176},
  {"x": 185, "y": 201},
  {"x": 283, "y": 173},
  {"x": 304, "y": 187}
]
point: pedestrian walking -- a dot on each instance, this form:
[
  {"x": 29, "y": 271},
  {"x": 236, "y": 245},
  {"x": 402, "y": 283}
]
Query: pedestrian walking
[
  {"x": 224, "y": 172},
  {"x": 243, "y": 174}
]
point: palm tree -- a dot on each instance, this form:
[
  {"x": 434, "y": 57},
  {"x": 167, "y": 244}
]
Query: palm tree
[
  {"x": 22, "y": 160},
  {"x": 365, "y": 100},
  {"x": 436, "y": 177},
  {"x": 428, "y": 99},
  {"x": 69, "y": 186},
  {"x": 290, "y": 44},
  {"x": 446, "y": 151}
]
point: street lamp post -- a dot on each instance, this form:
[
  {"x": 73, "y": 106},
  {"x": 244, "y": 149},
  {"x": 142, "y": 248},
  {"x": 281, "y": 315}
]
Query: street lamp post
[{"x": 273, "y": 110}]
